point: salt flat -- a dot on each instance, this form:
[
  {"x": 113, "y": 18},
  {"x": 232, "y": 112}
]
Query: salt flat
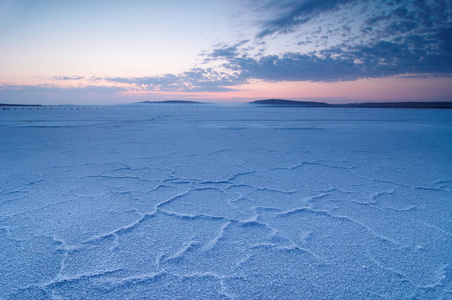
[{"x": 207, "y": 202}]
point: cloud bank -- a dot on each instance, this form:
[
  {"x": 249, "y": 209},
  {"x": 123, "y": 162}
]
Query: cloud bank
[{"x": 388, "y": 38}]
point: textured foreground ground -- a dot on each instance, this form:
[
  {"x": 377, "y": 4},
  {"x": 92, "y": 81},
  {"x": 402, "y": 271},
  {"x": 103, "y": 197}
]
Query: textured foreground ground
[{"x": 208, "y": 203}]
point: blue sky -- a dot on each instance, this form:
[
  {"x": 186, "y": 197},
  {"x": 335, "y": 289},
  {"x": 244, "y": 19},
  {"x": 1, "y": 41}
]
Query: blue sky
[{"x": 101, "y": 52}]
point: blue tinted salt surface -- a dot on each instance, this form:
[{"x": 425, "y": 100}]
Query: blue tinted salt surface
[{"x": 209, "y": 202}]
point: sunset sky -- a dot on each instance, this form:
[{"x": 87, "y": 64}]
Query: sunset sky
[{"x": 336, "y": 51}]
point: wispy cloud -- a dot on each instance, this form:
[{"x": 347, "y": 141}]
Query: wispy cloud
[
  {"x": 68, "y": 77},
  {"x": 195, "y": 80},
  {"x": 423, "y": 76},
  {"x": 53, "y": 89}
]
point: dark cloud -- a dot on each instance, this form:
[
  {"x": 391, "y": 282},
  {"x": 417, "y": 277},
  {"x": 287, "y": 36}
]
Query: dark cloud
[
  {"x": 410, "y": 54},
  {"x": 296, "y": 67},
  {"x": 227, "y": 51},
  {"x": 392, "y": 38},
  {"x": 401, "y": 27},
  {"x": 291, "y": 13},
  {"x": 418, "y": 17},
  {"x": 376, "y": 19},
  {"x": 400, "y": 11}
]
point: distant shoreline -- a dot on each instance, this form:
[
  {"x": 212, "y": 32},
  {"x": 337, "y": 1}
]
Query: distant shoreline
[
  {"x": 292, "y": 103},
  {"x": 270, "y": 103},
  {"x": 7, "y": 104}
]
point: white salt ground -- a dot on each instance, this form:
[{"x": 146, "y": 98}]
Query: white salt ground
[{"x": 207, "y": 202}]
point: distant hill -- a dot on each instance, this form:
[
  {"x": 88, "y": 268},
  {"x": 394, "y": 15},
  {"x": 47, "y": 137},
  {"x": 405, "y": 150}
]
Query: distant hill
[
  {"x": 282, "y": 102},
  {"x": 172, "y": 102}
]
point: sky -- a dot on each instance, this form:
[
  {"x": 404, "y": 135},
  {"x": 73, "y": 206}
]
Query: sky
[{"x": 335, "y": 51}]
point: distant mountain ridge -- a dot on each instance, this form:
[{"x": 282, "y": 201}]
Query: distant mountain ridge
[{"x": 283, "y": 102}]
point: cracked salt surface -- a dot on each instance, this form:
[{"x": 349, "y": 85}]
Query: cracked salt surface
[{"x": 226, "y": 203}]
